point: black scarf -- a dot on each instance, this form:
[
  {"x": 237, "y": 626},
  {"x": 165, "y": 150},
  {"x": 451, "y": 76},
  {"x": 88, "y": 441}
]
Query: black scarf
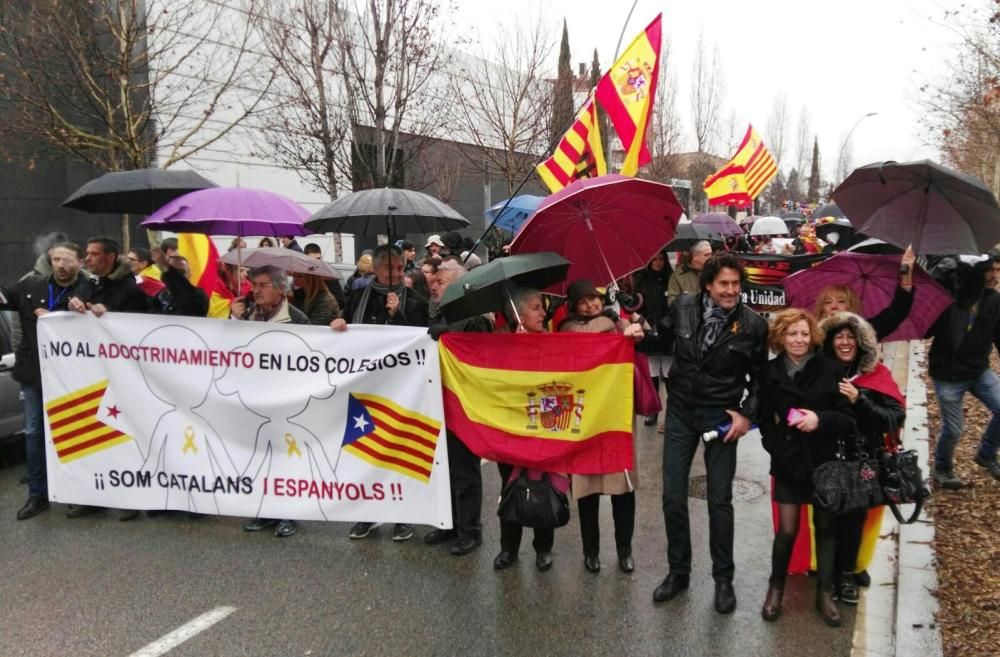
[{"x": 715, "y": 318}]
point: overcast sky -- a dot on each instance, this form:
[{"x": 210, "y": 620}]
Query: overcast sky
[{"x": 839, "y": 60}]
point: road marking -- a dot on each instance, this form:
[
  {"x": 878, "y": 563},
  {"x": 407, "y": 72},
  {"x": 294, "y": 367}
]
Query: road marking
[{"x": 168, "y": 642}]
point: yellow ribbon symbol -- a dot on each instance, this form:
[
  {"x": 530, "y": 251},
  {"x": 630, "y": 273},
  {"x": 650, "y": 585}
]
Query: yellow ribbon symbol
[
  {"x": 189, "y": 441},
  {"x": 293, "y": 448}
]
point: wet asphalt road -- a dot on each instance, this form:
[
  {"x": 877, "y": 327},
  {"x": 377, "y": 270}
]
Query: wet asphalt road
[{"x": 99, "y": 587}]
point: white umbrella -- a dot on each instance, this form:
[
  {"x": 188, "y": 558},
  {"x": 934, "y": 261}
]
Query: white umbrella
[{"x": 769, "y": 226}]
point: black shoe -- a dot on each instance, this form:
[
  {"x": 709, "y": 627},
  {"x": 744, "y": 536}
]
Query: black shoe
[
  {"x": 946, "y": 479},
  {"x": 991, "y": 465},
  {"x": 650, "y": 420},
  {"x": 285, "y": 528},
  {"x": 670, "y": 587},
  {"x": 504, "y": 560},
  {"x": 847, "y": 589},
  {"x": 435, "y": 536},
  {"x": 259, "y": 524},
  {"x": 362, "y": 529},
  {"x": 543, "y": 561},
  {"x": 725, "y": 597},
  {"x": 772, "y": 603},
  {"x": 592, "y": 563},
  {"x": 863, "y": 579},
  {"x": 33, "y": 507},
  {"x": 402, "y": 532},
  {"x": 827, "y": 608},
  {"x": 82, "y": 511},
  {"x": 465, "y": 545},
  {"x": 126, "y": 515},
  {"x": 626, "y": 563}
]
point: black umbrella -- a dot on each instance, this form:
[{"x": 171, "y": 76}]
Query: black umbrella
[
  {"x": 840, "y": 226},
  {"x": 923, "y": 204},
  {"x": 689, "y": 234},
  {"x": 828, "y": 210},
  {"x": 792, "y": 215},
  {"x": 142, "y": 191},
  {"x": 386, "y": 211},
  {"x": 488, "y": 288}
]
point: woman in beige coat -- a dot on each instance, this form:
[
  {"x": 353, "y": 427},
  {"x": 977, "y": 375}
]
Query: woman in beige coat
[{"x": 587, "y": 315}]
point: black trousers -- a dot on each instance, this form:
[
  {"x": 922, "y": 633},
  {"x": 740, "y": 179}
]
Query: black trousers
[
  {"x": 684, "y": 426},
  {"x": 623, "y": 513},
  {"x": 466, "y": 477},
  {"x": 510, "y": 532}
]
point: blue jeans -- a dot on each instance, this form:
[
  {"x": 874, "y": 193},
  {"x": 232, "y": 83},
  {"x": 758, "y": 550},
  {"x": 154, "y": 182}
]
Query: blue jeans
[
  {"x": 985, "y": 388},
  {"x": 34, "y": 440}
]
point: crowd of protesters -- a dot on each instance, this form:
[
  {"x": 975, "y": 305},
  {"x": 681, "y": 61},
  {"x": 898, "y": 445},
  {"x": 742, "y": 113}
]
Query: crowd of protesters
[{"x": 808, "y": 380}]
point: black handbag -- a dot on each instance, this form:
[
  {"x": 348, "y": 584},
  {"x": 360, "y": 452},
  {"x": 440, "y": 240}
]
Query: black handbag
[
  {"x": 841, "y": 486},
  {"x": 533, "y": 503},
  {"x": 903, "y": 482}
]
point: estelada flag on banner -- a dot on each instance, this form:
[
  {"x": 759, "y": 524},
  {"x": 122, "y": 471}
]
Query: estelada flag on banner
[
  {"x": 742, "y": 178},
  {"x": 77, "y": 429},
  {"x": 559, "y": 403},
  {"x": 626, "y": 92},
  {"x": 390, "y": 436},
  {"x": 579, "y": 153}
]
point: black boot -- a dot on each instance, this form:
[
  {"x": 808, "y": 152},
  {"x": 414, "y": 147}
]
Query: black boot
[{"x": 34, "y": 506}]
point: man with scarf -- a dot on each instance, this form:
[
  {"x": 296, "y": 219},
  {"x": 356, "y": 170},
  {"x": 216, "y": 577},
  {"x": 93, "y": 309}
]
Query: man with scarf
[
  {"x": 33, "y": 296},
  {"x": 720, "y": 347},
  {"x": 386, "y": 300}
]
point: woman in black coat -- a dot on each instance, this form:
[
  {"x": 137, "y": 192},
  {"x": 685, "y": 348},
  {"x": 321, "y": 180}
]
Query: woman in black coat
[
  {"x": 651, "y": 286},
  {"x": 802, "y": 415}
]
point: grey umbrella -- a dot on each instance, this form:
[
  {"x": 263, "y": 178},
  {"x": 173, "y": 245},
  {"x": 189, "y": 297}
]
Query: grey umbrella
[
  {"x": 278, "y": 256},
  {"x": 689, "y": 234},
  {"x": 141, "y": 191},
  {"x": 386, "y": 211},
  {"x": 936, "y": 210}
]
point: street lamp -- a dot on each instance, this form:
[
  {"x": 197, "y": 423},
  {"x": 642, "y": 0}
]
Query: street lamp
[{"x": 842, "y": 164}]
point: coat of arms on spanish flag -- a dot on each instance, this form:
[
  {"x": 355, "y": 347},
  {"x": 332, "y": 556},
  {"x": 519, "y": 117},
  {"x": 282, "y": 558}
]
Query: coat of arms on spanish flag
[
  {"x": 560, "y": 403},
  {"x": 77, "y": 429}
]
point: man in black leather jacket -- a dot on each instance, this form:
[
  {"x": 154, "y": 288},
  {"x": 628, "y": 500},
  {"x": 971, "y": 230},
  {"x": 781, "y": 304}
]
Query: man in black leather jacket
[{"x": 720, "y": 347}]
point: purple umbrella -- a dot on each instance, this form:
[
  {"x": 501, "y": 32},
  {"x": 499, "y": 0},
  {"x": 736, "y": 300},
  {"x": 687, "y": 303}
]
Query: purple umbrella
[
  {"x": 231, "y": 211},
  {"x": 721, "y": 223},
  {"x": 873, "y": 278}
]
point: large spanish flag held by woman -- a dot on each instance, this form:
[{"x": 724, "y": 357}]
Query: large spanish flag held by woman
[{"x": 558, "y": 403}]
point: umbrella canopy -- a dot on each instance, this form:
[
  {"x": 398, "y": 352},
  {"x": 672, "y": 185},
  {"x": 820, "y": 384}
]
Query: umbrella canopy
[
  {"x": 791, "y": 215},
  {"x": 840, "y": 226},
  {"x": 142, "y": 191},
  {"x": 792, "y": 220},
  {"x": 607, "y": 226},
  {"x": 231, "y": 211},
  {"x": 517, "y": 212},
  {"x": 288, "y": 260},
  {"x": 720, "y": 222},
  {"x": 488, "y": 288},
  {"x": 386, "y": 211},
  {"x": 936, "y": 210},
  {"x": 828, "y": 210},
  {"x": 874, "y": 245},
  {"x": 689, "y": 234},
  {"x": 769, "y": 226},
  {"x": 873, "y": 278}
]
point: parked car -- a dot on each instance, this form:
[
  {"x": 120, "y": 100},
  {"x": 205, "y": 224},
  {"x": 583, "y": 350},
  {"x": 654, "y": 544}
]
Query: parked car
[{"x": 11, "y": 419}]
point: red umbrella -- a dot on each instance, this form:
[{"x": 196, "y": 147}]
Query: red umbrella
[
  {"x": 873, "y": 278},
  {"x": 607, "y": 227}
]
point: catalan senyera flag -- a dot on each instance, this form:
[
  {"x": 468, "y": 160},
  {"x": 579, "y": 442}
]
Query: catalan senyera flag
[
  {"x": 389, "y": 436},
  {"x": 553, "y": 402},
  {"x": 626, "y": 92},
  {"x": 77, "y": 431},
  {"x": 579, "y": 153},
  {"x": 204, "y": 260},
  {"x": 742, "y": 178}
]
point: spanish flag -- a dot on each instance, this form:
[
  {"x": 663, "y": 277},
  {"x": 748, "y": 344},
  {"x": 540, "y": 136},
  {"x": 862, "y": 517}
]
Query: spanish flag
[
  {"x": 77, "y": 431},
  {"x": 203, "y": 257},
  {"x": 579, "y": 153},
  {"x": 742, "y": 179},
  {"x": 553, "y": 402},
  {"x": 390, "y": 436},
  {"x": 627, "y": 91}
]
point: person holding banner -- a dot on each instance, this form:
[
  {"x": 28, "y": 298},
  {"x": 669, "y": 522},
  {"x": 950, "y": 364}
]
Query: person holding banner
[
  {"x": 32, "y": 297},
  {"x": 587, "y": 315},
  {"x": 719, "y": 352}
]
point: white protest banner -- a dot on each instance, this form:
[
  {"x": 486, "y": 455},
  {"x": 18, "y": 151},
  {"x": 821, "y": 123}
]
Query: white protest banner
[{"x": 244, "y": 419}]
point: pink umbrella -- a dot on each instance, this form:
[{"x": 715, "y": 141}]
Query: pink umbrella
[
  {"x": 607, "y": 227},
  {"x": 873, "y": 278}
]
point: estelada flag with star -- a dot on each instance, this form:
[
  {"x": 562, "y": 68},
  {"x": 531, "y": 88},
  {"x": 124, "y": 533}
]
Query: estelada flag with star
[
  {"x": 78, "y": 423},
  {"x": 389, "y": 436},
  {"x": 554, "y": 402}
]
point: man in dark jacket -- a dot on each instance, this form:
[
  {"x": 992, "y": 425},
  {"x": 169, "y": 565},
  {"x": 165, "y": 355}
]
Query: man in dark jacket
[
  {"x": 720, "y": 348},
  {"x": 32, "y": 297},
  {"x": 959, "y": 362}
]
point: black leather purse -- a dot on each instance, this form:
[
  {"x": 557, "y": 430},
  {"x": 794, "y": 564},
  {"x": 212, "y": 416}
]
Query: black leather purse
[
  {"x": 903, "y": 482},
  {"x": 533, "y": 503},
  {"x": 841, "y": 486}
]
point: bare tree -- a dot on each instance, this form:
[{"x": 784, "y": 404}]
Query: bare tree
[
  {"x": 708, "y": 88},
  {"x": 444, "y": 165},
  {"x": 502, "y": 103},
  {"x": 776, "y": 129},
  {"x": 803, "y": 140}
]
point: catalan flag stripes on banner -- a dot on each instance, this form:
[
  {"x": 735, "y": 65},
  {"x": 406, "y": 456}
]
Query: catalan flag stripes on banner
[
  {"x": 389, "y": 436},
  {"x": 742, "y": 178},
  {"x": 579, "y": 153},
  {"x": 203, "y": 258},
  {"x": 76, "y": 429},
  {"x": 558, "y": 403},
  {"x": 626, "y": 92}
]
